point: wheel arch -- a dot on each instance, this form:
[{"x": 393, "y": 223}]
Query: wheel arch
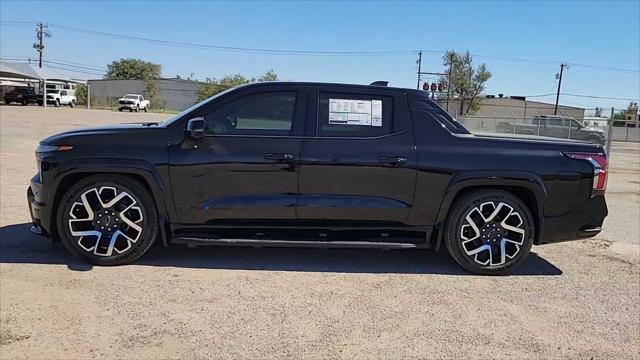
[
  {"x": 529, "y": 188},
  {"x": 143, "y": 173}
]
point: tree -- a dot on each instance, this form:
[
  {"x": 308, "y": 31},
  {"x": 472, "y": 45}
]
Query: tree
[
  {"x": 465, "y": 82},
  {"x": 268, "y": 76},
  {"x": 81, "y": 94},
  {"x": 125, "y": 69},
  {"x": 152, "y": 93},
  {"x": 213, "y": 87}
]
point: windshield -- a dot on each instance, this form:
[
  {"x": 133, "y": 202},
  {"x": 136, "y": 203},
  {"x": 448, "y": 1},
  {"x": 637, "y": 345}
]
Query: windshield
[
  {"x": 196, "y": 106},
  {"x": 130, "y": 96}
]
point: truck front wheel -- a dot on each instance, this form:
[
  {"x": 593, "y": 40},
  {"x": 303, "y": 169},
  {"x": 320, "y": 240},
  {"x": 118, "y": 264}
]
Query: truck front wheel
[
  {"x": 107, "y": 219},
  {"x": 489, "y": 232},
  {"x": 57, "y": 103}
]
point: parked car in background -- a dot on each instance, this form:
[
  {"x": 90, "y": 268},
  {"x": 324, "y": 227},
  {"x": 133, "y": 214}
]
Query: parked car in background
[
  {"x": 22, "y": 95},
  {"x": 554, "y": 126},
  {"x": 133, "y": 102},
  {"x": 59, "y": 97},
  {"x": 312, "y": 164}
]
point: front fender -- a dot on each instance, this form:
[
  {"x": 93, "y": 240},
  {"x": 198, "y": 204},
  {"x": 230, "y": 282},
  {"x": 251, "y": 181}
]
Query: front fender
[
  {"x": 483, "y": 179},
  {"x": 143, "y": 169}
]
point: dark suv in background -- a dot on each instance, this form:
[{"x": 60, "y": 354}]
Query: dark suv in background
[
  {"x": 311, "y": 164},
  {"x": 21, "y": 95}
]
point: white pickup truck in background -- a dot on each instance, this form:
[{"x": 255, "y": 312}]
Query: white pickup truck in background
[
  {"x": 133, "y": 102},
  {"x": 59, "y": 97}
]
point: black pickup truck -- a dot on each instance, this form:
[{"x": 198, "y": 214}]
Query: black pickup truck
[
  {"x": 22, "y": 95},
  {"x": 311, "y": 164}
]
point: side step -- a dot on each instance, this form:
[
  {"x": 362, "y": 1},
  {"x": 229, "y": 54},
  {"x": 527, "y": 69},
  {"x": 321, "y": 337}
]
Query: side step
[{"x": 199, "y": 241}]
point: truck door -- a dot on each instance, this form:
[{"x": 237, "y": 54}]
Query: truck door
[
  {"x": 245, "y": 169},
  {"x": 358, "y": 161}
]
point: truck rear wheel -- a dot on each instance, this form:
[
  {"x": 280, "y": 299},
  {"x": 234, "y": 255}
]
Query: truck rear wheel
[
  {"x": 107, "y": 219},
  {"x": 489, "y": 232}
]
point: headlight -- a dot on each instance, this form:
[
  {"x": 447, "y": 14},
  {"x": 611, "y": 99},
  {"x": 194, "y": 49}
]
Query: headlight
[{"x": 52, "y": 148}]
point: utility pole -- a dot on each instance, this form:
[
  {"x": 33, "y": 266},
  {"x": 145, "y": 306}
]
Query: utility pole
[
  {"x": 419, "y": 68},
  {"x": 449, "y": 80},
  {"x": 562, "y": 66},
  {"x": 41, "y": 33}
]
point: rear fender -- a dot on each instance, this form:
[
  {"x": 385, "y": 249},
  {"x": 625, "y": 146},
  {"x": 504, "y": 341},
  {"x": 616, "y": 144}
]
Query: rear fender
[{"x": 486, "y": 179}]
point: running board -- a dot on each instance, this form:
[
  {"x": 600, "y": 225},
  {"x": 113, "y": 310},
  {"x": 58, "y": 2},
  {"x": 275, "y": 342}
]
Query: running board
[{"x": 198, "y": 241}]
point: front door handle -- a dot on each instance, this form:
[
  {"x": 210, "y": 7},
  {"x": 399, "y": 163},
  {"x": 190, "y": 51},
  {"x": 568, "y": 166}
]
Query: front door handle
[
  {"x": 393, "y": 160},
  {"x": 279, "y": 157}
]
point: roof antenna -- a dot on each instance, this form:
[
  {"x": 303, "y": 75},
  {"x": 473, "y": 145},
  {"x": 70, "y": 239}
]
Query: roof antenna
[{"x": 379, "y": 83}]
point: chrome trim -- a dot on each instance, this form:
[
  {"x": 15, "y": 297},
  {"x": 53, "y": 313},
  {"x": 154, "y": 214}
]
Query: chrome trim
[{"x": 291, "y": 243}]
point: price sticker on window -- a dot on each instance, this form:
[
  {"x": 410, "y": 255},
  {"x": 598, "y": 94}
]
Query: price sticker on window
[{"x": 355, "y": 112}]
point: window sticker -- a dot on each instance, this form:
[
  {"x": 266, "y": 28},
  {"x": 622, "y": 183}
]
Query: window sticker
[{"x": 355, "y": 112}]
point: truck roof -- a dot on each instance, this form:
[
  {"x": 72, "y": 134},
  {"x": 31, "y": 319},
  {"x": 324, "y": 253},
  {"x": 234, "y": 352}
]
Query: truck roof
[{"x": 337, "y": 85}]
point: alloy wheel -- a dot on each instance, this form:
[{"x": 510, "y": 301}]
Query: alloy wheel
[
  {"x": 105, "y": 221},
  {"x": 492, "y": 233}
]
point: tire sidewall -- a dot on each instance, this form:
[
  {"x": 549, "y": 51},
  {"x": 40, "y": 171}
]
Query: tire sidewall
[
  {"x": 137, "y": 191},
  {"x": 457, "y": 218}
]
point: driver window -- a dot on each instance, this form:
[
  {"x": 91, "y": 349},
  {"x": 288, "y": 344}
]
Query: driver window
[{"x": 268, "y": 113}]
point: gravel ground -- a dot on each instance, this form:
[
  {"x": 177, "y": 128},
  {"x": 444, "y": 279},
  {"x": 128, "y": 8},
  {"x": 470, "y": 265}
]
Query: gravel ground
[{"x": 572, "y": 300}]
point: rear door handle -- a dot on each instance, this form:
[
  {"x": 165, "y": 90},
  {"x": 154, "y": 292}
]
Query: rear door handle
[
  {"x": 279, "y": 157},
  {"x": 393, "y": 160}
]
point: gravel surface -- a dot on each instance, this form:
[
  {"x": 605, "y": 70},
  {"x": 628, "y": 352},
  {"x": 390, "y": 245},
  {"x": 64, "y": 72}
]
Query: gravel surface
[{"x": 571, "y": 300}]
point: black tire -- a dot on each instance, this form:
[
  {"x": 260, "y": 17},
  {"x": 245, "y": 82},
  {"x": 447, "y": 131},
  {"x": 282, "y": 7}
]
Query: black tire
[
  {"x": 24, "y": 102},
  {"x": 72, "y": 103},
  {"x": 57, "y": 103},
  {"x": 130, "y": 252},
  {"x": 146, "y": 109},
  {"x": 130, "y": 110},
  {"x": 457, "y": 218},
  {"x": 39, "y": 103},
  {"x": 7, "y": 102},
  {"x": 137, "y": 108},
  {"x": 120, "y": 109}
]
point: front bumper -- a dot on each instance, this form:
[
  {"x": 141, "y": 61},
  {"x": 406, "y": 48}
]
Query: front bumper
[
  {"x": 37, "y": 208},
  {"x": 583, "y": 222}
]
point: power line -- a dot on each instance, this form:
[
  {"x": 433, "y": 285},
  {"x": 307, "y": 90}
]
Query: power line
[
  {"x": 231, "y": 48},
  {"x": 306, "y": 52}
]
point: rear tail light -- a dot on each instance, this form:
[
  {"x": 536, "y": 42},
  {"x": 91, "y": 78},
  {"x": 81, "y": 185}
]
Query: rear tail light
[{"x": 600, "y": 166}]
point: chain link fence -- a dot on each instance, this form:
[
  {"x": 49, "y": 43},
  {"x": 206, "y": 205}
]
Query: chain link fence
[{"x": 621, "y": 138}]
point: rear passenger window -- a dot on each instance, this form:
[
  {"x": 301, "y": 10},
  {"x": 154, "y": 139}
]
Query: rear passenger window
[{"x": 354, "y": 115}]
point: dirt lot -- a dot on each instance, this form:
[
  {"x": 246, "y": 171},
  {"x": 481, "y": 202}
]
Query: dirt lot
[{"x": 573, "y": 300}]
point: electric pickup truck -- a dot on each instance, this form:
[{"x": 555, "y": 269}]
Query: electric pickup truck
[{"x": 294, "y": 164}]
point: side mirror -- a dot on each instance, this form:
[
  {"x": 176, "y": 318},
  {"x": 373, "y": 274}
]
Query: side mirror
[{"x": 195, "y": 128}]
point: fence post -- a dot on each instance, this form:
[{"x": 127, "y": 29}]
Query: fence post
[
  {"x": 88, "y": 95},
  {"x": 609, "y": 132}
]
